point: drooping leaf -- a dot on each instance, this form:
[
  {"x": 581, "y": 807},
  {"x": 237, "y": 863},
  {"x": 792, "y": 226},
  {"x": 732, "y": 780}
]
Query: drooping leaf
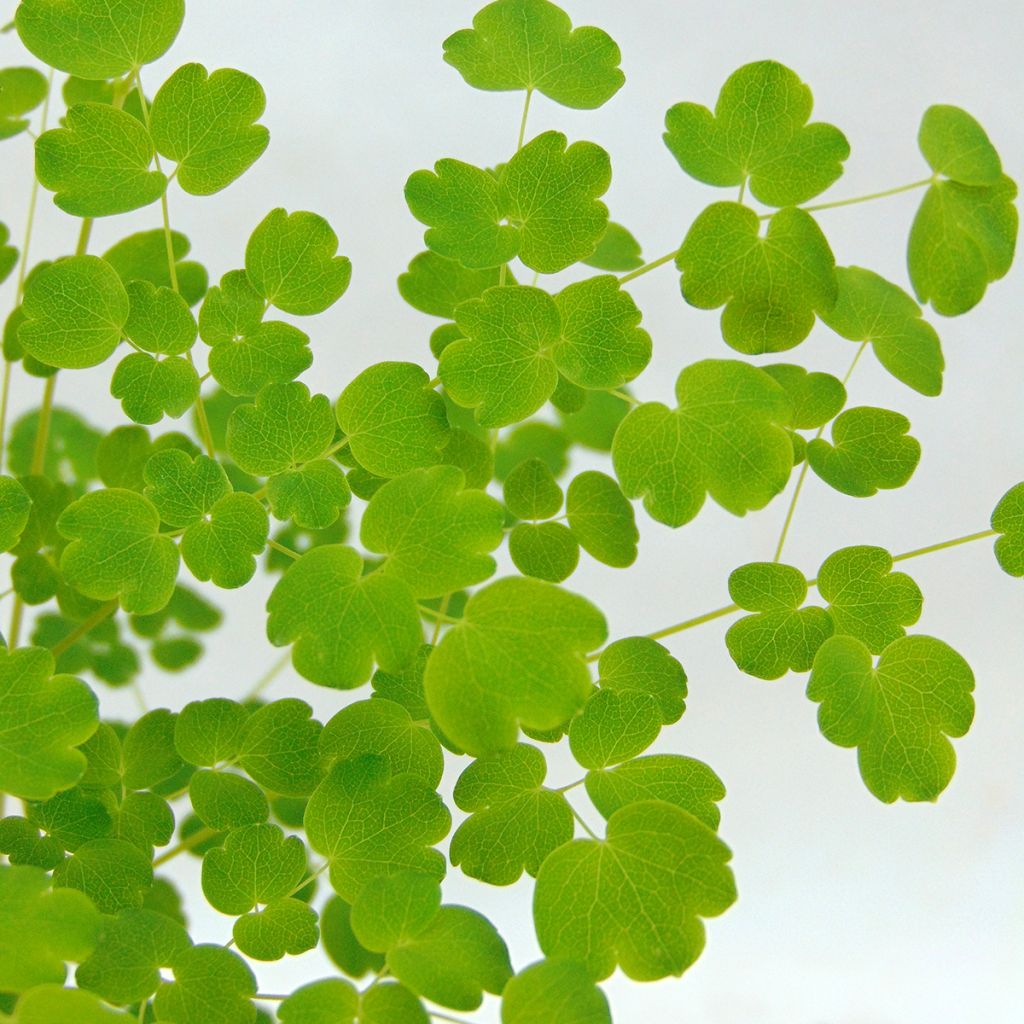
[
  {"x": 8, "y": 261},
  {"x": 636, "y": 898},
  {"x": 339, "y": 941},
  {"x": 726, "y": 439},
  {"x": 601, "y": 519},
  {"x": 771, "y": 285},
  {"x": 898, "y": 713},
  {"x": 531, "y": 44},
  {"x": 204, "y": 122},
  {"x": 758, "y": 135},
  {"x": 553, "y": 989},
  {"x": 1008, "y": 522}
]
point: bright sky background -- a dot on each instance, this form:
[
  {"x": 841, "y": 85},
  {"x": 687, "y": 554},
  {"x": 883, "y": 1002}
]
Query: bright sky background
[{"x": 850, "y": 912}]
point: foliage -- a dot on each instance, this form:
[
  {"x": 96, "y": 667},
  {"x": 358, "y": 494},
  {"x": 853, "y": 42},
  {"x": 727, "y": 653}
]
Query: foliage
[{"x": 382, "y": 510}]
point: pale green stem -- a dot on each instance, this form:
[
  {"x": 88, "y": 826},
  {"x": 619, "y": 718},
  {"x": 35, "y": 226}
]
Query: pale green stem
[
  {"x": 522, "y": 123},
  {"x": 430, "y": 613},
  {"x": 626, "y": 398},
  {"x": 980, "y": 535},
  {"x": 268, "y": 677},
  {"x": 440, "y": 619},
  {"x": 284, "y": 551},
  {"x": 867, "y": 198},
  {"x": 186, "y": 844},
  {"x": 647, "y": 267},
  {"x": 586, "y": 828},
  {"x": 571, "y": 785},
  {"x": 99, "y": 615}
]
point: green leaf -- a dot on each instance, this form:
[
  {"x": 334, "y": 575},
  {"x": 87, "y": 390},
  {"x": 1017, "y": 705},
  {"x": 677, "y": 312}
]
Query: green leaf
[
  {"x": 150, "y": 389},
  {"x": 386, "y": 729},
  {"x": 759, "y": 135},
  {"x": 285, "y": 927},
  {"x": 531, "y": 44},
  {"x": 291, "y": 259},
  {"x": 1008, "y": 521},
  {"x": 23, "y": 845},
  {"x": 435, "y": 535},
  {"x": 44, "y": 717},
  {"x": 517, "y": 657},
  {"x": 204, "y": 122},
  {"x": 436, "y": 285},
  {"x": 726, "y": 439},
  {"x": 149, "y": 754},
  {"x": 898, "y": 713},
  {"x": 771, "y": 285},
  {"x": 72, "y": 817},
  {"x": 95, "y": 39},
  {"x": 112, "y": 873},
  {"x": 279, "y": 747},
  {"x": 75, "y": 311},
  {"x": 143, "y": 257},
  {"x": 330, "y": 1001},
  {"x": 15, "y": 509},
  {"x": 256, "y": 864},
  {"x": 182, "y": 488},
  {"x": 159, "y": 319},
  {"x": 614, "y": 727},
  {"x": 145, "y": 820},
  {"x": 594, "y": 425},
  {"x": 391, "y": 1004},
  {"x": 870, "y": 450},
  {"x": 672, "y": 778},
  {"x": 368, "y": 823},
  {"x": 41, "y": 928},
  {"x": 816, "y": 397},
  {"x": 8, "y": 261},
  {"x": 642, "y": 665},
  {"x": 285, "y": 427},
  {"x": 956, "y": 146},
  {"x": 394, "y": 422},
  {"x": 271, "y": 353},
  {"x": 340, "y": 943},
  {"x": 49, "y": 1003},
  {"x": 117, "y": 551},
  {"x": 222, "y": 546},
  {"x": 601, "y": 519},
  {"x": 133, "y": 947},
  {"x": 99, "y": 164},
  {"x": 225, "y": 801},
  {"x": 312, "y": 497},
  {"x": 532, "y": 440},
  {"x": 472, "y": 455},
  {"x": 21, "y": 90},
  {"x": 341, "y": 621},
  {"x": 869, "y": 308},
  {"x": 867, "y": 600},
  {"x": 636, "y": 898},
  {"x": 514, "y": 822},
  {"x": 618, "y": 251},
  {"x": 782, "y": 636},
  {"x": 553, "y": 989},
  {"x": 393, "y": 909},
  {"x": 210, "y": 984},
  {"x": 546, "y": 551},
  {"x": 531, "y": 491}
]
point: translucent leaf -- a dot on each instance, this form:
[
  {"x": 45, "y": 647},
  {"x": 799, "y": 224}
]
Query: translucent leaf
[
  {"x": 99, "y": 164},
  {"x": 149, "y": 389},
  {"x": 143, "y": 257},
  {"x": 1008, "y": 521},
  {"x": 112, "y": 873},
  {"x": 815, "y": 397},
  {"x": 393, "y": 909},
  {"x": 514, "y": 821},
  {"x": 133, "y": 947},
  {"x": 159, "y": 319},
  {"x": 869, "y": 308},
  {"x": 368, "y": 823},
  {"x": 284, "y": 927},
  {"x": 640, "y": 664},
  {"x": 204, "y": 122},
  {"x": 116, "y": 550},
  {"x": 72, "y": 817},
  {"x": 256, "y": 864},
  {"x": 15, "y": 509},
  {"x": 771, "y": 285},
  {"x": 341, "y": 945},
  {"x": 182, "y": 488},
  {"x": 870, "y": 450},
  {"x": 434, "y": 533},
  {"x": 222, "y": 546},
  {"x": 594, "y": 424},
  {"x": 291, "y": 259},
  {"x": 279, "y": 747},
  {"x": 867, "y": 600},
  {"x": 8, "y": 261},
  {"x": 211, "y": 983},
  {"x": 531, "y": 491},
  {"x": 284, "y": 428},
  {"x": 614, "y": 727},
  {"x": 532, "y": 440},
  {"x": 75, "y": 311},
  {"x": 49, "y": 1003},
  {"x": 516, "y": 658},
  {"x": 225, "y": 801},
  {"x": 341, "y": 621},
  {"x": 531, "y": 44},
  {"x": 98, "y": 40},
  {"x": 554, "y": 987},
  {"x": 898, "y": 713},
  {"x": 312, "y": 497},
  {"x": 149, "y": 755},
  {"x": 145, "y": 820},
  {"x": 672, "y": 778},
  {"x": 393, "y": 421},
  {"x": 636, "y": 898},
  {"x": 330, "y": 1001},
  {"x": 759, "y": 135},
  {"x": 601, "y": 519},
  {"x": 21, "y": 91},
  {"x": 391, "y": 1004},
  {"x": 44, "y": 717},
  {"x": 470, "y": 454},
  {"x": 957, "y": 147},
  {"x": 618, "y": 251},
  {"x": 726, "y": 439},
  {"x": 436, "y": 285},
  {"x": 546, "y": 551},
  {"x": 782, "y": 636}
]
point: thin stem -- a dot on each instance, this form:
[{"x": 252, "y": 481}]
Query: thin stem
[
  {"x": 571, "y": 785},
  {"x": 143, "y": 1006},
  {"x": 869, "y": 197},
  {"x": 654, "y": 264},
  {"x": 43, "y": 430},
  {"x": 284, "y": 551},
  {"x": 309, "y": 878},
  {"x": 267, "y": 997},
  {"x": 86, "y": 625},
  {"x": 440, "y": 619},
  {"x": 586, "y": 828},
  {"x": 433, "y": 613},
  {"x": 626, "y": 398},
  {"x": 698, "y": 620},
  {"x": 522, "y": 123},
  {"x": 942, "y": 545},
  {"x": 437, "y": 1015},
  {"x": 185, "y": 845},
  {"x": 268, "y": 677}
]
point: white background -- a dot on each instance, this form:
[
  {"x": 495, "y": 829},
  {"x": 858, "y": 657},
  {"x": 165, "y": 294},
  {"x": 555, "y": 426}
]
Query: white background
[{"x": 850, "y": 912}]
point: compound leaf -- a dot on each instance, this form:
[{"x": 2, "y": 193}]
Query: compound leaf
[
  {"x": 601, "y": 519},
  {"x": 204, "y": 122},
  {"x": 256, "y": 864},
  {"x": 898, "y": 713},
  {"x": 635, "y": 898},
  {"x": 1008, "y": 522},
  {"x": 771, "y": 285},
  {"x": 759, "y": 135},
  {"x": 726, "y": 439}
]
